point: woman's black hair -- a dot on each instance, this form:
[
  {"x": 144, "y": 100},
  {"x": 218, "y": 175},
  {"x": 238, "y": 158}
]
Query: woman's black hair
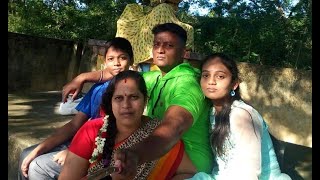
[
  {"x": 106, "y": 106},
  {"x": 120, "y": 43},
  {"x": 222, "y": 122}
]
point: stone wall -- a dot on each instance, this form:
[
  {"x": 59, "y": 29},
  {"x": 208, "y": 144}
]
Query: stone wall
[{"x": 41, "y": 64}]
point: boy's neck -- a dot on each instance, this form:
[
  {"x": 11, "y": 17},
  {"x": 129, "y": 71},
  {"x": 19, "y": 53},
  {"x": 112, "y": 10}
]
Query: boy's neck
[{"x": 165, "y": 70}]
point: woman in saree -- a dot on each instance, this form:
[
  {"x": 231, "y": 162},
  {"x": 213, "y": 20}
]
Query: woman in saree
[{"x": 124, "y": 125}]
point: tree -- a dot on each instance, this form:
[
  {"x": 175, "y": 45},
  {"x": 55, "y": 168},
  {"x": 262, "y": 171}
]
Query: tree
[
  {"x": 63, "y": 19},
  {"x": 268, "y": 32},
  {"x": 275, "y": 33}
]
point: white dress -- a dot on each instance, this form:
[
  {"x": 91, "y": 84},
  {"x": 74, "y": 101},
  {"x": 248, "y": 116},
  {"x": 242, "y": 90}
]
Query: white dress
[{"x": 248, "y": 150}]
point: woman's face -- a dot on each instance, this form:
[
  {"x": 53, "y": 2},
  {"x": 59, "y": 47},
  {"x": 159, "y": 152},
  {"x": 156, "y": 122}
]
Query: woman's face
[
  {"x": 216, "y": 80},
  {"x": 128, "y": 103}
]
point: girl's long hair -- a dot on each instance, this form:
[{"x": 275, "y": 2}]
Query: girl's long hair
[{"x": 222, "y": 119}]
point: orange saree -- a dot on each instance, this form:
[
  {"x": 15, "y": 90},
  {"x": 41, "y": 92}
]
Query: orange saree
[{"x": 167, "y": 165}]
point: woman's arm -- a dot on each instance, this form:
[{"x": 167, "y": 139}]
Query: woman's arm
[
  {"x": 80, "y": 150},
  {"x": 75, "y": 167}
]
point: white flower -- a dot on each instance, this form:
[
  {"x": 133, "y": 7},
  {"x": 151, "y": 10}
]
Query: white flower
[
  {"x": 100, "y": 145},
  {"x": 104, "y": 127},
  {"x": 99, "y": 141}
]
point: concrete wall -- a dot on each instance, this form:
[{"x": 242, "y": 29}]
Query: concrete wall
[
  {"x": 39, "y": 64},
  {"x": 284, "y": 98},
  {"x": 92, "y": 59}
]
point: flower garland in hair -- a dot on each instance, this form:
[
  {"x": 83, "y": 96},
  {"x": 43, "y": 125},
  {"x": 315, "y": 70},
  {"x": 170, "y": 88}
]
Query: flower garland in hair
[{"x": 99, "y": 141}]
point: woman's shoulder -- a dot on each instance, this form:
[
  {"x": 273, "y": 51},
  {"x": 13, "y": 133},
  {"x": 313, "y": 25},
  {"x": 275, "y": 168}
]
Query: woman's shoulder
[{"x": 94, "y": 123}]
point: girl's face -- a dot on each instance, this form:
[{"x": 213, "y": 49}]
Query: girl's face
[
  {"x": 128, "y": 103},
  {"x": 216, "y": 80},
  {"x": 116, "y": 61}
]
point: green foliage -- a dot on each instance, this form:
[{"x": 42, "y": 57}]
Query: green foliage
[
  {"x": 266, "y": 32},
  {"x": 57, "y": 19}
]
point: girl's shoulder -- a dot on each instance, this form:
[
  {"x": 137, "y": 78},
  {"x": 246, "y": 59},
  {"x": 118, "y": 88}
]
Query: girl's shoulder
[
  {"x": 241, "y": 104},
  {"x": 241, "y": 109}
]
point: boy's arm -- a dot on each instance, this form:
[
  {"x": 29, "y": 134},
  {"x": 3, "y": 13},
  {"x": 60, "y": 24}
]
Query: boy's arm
[
  {"x": 75, "y": 85},
  {"x": 61, "y": 135}
]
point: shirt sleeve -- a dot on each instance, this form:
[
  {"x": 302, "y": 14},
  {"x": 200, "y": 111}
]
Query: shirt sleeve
[
  {"x": 188, "y": 94},
  {"x": 245, "y": 160},
  {"x": 85, "y": 104},
  {"x": 83, "y": 142}
]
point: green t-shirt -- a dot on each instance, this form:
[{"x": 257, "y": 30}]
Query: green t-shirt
[{"x": 181, "y": 87}]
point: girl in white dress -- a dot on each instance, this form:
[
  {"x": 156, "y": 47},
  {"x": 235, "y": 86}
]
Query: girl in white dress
[{"x": 239, "y": 136}]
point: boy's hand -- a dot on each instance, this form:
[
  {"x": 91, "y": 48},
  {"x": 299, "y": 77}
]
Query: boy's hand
[
  {"x": 26, "y": 162},
  {"x": 74, "y": 87}
]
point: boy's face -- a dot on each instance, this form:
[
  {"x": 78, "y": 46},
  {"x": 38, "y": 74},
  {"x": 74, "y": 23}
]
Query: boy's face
[
  {"x": 116, "y": 61},
  {"x": 167, "y": 51}
]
